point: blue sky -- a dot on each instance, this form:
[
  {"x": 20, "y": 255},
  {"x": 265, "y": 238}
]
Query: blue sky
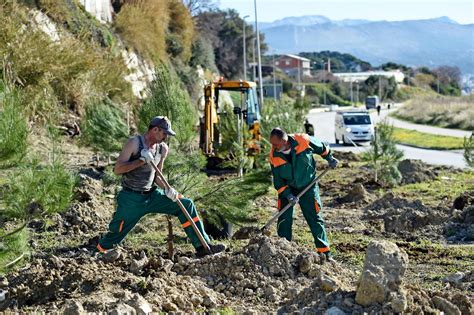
[{"x": 462, "y": 11}]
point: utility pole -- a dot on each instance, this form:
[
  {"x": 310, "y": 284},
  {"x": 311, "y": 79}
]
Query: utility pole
[
  {"x": 324, "y": 82},
  {"x": 380, "y": 88},
  {"x": 254, "y": 73},
  {"x": 357, "y": 97},
  {"x": 274, "y": 80},
  {"x": 352, "y": 102},
  {"x": 244, "y": 47},
  {"x": 260, "y": 81}
]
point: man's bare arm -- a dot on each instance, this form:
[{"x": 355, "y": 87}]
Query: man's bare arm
[{"x": 123, "y": 165}]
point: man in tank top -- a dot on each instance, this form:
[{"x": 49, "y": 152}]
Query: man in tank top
[{"x": 142, "y": 191}]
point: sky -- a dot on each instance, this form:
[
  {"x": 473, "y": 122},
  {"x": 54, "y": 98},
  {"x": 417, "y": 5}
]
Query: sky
[{"x": 461, "y": 11}]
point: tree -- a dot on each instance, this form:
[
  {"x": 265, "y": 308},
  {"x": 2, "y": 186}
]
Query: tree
[
  {"x": 469, "y": 150},
  {"x": 223, "y": 29},
  {"x": 384, "y": 156},
  {"x": 198, "y": 6}
]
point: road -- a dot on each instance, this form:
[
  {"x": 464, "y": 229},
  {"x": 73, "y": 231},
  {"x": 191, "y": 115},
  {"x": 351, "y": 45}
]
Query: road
[{"x": 324, "y": 129}]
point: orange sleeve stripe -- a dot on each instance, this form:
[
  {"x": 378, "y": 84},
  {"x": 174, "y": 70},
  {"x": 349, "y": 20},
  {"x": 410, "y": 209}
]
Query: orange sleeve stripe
[
  {"x": 188, "y": 223},
  {"x": 323, "y": 249},
  {"x": 303, "y": 142},
  {"x": 282, "y": 189},
  {"x": 316, "y": 206},
  {"x": 121, "y": 226},
  {"x": 326, "y": 152}
]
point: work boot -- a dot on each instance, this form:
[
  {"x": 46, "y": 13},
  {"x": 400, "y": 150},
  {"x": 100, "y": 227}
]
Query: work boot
[
  {"x": 327, "y": 258},
  {"x": 215, "y": 249}
]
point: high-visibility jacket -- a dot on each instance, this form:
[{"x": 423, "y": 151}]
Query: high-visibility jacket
[{"x": 300, "y": 170}]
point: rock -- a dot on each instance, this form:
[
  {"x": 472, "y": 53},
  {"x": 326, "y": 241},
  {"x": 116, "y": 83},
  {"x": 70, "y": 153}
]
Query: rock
[
  {"x": 334, "y": 311},
  {"x": 209, "y": 301},
  {"x": 121, "y": 309},
  {"x": 3, "y": 282},
  {"x": 327, "y": 284},
  {"x": 382, "y": 273},
  {"x": 141, "y": 306},
  {"x": 196, "y": 300},
  {"x": 398, "y": 301},
  {"x": 445, "y": 306},
  {"x": 73, "y": 308},
  {"x": 466, "y": 305},
  {"x": 136, "y": 266},
  {"x": 454, "y": 278},
  {"x": 170, "y": 306},
  {"x": 305, "y": 262}
]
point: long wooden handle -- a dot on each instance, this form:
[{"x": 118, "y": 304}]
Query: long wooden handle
[
  {"x": 183, "y": 209},
  {"x": 280, "y": 213}
]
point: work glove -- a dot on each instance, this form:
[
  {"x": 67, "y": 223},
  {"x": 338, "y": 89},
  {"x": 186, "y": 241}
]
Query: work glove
[
  {"x": 333, "y": 162},
  {"x": 172, "y": 194},
  {"x": 146, "y": 156},
  {"x": 292, "y": 199}
]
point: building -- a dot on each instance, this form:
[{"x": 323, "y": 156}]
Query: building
[
  {"x": 292, "y": 65},
  {"x": 362, "y": 76}
]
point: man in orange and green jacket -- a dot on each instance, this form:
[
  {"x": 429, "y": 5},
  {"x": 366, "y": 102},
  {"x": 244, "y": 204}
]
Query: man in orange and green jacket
[{"x": 294, "y": 168}]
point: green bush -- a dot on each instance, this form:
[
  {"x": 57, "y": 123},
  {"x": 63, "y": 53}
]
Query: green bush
[
  {"x": 168, "y": 98},
  {"x": 49, "y": 188},
  {"x": 103, "y": 127},
  {"x": 384, "y": 156},
  {"x": 13, "y": 126}
]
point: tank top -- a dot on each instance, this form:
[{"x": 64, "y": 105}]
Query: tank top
[{"x": 141, "y": 178}]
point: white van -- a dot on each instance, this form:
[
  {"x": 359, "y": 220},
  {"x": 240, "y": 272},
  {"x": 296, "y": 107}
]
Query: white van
[{"x": 353, "y": 126}]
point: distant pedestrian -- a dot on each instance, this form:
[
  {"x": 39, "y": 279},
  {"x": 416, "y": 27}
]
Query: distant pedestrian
[
  {"x": 309, "y": 128},
  {"x": 388, "y": 106},
  {"x": 378, "y": 109}
]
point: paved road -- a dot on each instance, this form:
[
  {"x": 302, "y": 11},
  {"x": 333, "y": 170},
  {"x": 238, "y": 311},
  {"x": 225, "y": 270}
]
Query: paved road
[
  {"x": 324, "y": 129},
  {"x": 422, "y": 128}
]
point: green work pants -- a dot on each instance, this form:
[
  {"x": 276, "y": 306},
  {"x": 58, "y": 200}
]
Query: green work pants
[
  {"x": 310, "y": 204},
  {"x": 131, "y": 207}
]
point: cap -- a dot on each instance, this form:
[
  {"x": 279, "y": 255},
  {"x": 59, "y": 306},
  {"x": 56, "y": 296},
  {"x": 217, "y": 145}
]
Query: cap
[{"x": 163, "y": 123}]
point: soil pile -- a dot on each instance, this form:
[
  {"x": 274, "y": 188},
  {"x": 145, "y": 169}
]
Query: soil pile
[{"x": 415, "y": 171}]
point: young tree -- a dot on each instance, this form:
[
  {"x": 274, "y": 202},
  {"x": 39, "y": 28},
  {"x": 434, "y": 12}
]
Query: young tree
[
  {"x": 469, "y": 150},
  {"x": 384, "y": 156}
]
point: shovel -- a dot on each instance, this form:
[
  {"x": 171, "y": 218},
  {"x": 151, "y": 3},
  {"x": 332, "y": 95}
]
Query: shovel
[
  {"x": 183, "y": 209},
  {"x": 248, "y": 231}
]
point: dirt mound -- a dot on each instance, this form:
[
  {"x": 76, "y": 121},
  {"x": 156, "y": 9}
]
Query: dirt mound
[
  {"x": 407, "y": 218},
  {"x": 460, "y": 227},
  {"x": 415, "y": 171},
  {"x": 464, "y": 200},
  {"x": 346, "y": 156},
  {"x": 356, "y": 194}
]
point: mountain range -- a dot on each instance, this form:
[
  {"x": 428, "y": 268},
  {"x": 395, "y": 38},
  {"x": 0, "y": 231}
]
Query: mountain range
[{"x": 416, "y": 43}]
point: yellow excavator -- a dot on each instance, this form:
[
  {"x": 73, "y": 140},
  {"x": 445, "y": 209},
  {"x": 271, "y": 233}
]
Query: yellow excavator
[{"x": 247, "y": 114}]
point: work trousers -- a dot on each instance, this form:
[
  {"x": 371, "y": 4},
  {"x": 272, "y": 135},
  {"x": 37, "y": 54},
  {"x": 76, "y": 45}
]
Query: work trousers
[
  {"x": 132, "y": 206},
  {"x": 311, "y": 206}
]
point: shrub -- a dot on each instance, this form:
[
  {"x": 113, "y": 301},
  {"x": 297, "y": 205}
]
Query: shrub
[
  {"x": 57, "y": 76},
  {"x": 180, "y": 31},
  {"x": 443, "y": 111},
  {"x": 13, "y": 125},
  {"x": 168, "y": 98},
  {"x": 384, "y": 156},
  {"x": 14, "y": 246},
  {"x": 103, "y": 127},
  {"x": 143, "y": 25},
  {"x": 44, "y": 189}
]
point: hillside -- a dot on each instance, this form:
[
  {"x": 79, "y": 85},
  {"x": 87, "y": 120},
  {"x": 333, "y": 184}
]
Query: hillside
[{"x": 428, "y": 43}]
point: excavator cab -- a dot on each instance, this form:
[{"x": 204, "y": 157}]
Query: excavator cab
[{"x": 247, "y": 114}]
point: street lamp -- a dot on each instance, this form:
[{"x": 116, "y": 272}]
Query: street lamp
[
  {"x": 244, "y": 47},
  {"x": 260, "y": 81}
]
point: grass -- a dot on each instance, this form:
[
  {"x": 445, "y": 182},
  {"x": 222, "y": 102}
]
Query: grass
[
  {"x": 427, "y": 140},
  {"x": 446, "y": 187},
  {"x": 442, "y": 111}
]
